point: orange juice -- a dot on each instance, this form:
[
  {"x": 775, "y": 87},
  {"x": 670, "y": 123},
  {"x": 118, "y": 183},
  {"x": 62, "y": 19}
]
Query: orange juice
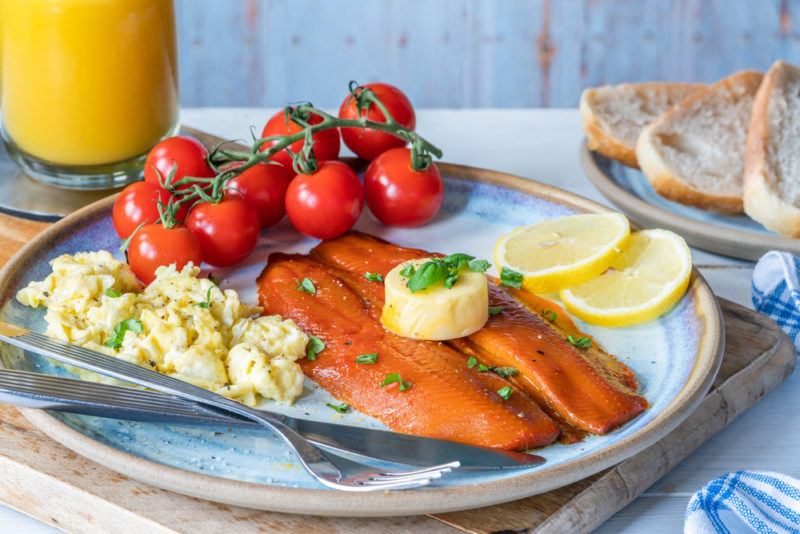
[{"x": 87, "y": 82}]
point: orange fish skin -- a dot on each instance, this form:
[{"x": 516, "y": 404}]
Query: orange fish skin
[
  {"x": 445, "y": 399},
  {"x": 578, "y": 387}
]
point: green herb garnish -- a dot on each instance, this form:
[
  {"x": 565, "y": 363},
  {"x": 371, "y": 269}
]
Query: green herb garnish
[
  {"x": 510, "y": 278},
  {"x": 444, "y": 270},
  {"x": 471, "y": 362},
  {"x": 115, "y": 341},
  {"x": 314, "y": 347},
  {"x": 374, "y": 277},
  {"x": 485, "y": 368},
  {"x": 341, "y": 408},
  {"x": 505, "y": 392},
  {"x": 407, "y": 271},
  {"x": 368, "y": 358},
  {"x": 307, "y": 286},
  {"x": 550, "y": 315},
  {"x": 206, "y": 303},
  {"x": 391, "y": 378},
  {"x": 494, "y": 310},
  {"x": 505, "y": 372},
  {"x": 113, "y": 293},
  {"x": 580, "y": 342}
]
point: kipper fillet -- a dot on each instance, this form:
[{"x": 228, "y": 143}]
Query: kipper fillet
[
  {"x": 445, "y": 399},
  {"x": 585, "y": 388}
]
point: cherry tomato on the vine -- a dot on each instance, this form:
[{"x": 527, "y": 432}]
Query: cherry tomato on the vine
[
  {"x": 327, "y": 203},
  {"x": 187, "y": 153},
  {"x": 227, "y": 231},
  {"x": 137, "y": 204},
  {"x": 369, "y": 144},
  {"x": 397, "y": 194},
  {"x": 263, "y": 187},
  {"x": 154, "y": 246},
  {"x": 326, "y": 142}
]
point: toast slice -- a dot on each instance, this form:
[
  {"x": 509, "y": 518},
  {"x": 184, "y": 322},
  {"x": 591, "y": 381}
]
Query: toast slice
[
  {"x": 614, "y": 115},
  {"x": 694, "y": 153},
  {"x": 772, "y": 154}
]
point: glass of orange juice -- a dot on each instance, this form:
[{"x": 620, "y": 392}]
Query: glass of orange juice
[{"x": 87, "y": 86}]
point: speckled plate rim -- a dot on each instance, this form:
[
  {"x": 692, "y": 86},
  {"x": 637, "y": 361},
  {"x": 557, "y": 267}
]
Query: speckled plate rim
[
  {"x": 701, "y": 234},
  {"x": 432, "y": 499}
]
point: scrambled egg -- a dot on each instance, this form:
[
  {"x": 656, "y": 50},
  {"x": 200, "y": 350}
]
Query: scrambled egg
[{"x": 179, "y": 325}]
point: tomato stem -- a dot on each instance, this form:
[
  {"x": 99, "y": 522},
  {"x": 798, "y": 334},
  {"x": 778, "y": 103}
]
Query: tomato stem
[{"x": 213, "y": 189}]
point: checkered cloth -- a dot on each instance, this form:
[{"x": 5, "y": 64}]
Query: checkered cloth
[
  {"x": 776, "y": 291},
  {"x": 746, "y": 501},
  {"x": 753, "y": 501}
]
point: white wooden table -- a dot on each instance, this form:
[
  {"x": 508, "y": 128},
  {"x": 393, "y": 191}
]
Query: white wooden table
[{"x": 543, "y": 145}]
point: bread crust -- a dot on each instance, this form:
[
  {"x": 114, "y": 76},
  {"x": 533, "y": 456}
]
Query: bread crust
[
  {"x": 665, "y": 180},
  {"x": 599, "y": 139},
  {"x": 761, "y": 202}
]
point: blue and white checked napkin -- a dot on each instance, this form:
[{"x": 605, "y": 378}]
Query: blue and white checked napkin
[
  {"x": 776, "y": 291},
  {"x": 746, "y": 501},
  {"x": 754, "y": 501}
]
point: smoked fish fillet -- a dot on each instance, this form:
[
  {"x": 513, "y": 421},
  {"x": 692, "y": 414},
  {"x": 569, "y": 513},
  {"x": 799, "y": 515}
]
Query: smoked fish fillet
[
  {"x": 586, "y": 389},
  {"x": 443, "y": 398}
]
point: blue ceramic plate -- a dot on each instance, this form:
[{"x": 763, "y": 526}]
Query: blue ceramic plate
[
  {"x": 675, "y": 357},
  {"x": 733, "y": 235}
]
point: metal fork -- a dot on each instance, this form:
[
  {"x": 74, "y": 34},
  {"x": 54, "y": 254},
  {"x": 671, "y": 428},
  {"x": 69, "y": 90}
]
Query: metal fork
[{"x": 328, "y": 469}]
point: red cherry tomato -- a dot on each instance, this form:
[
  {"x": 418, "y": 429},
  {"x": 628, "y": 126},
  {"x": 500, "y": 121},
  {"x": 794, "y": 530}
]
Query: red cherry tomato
[
  {"x": 187, "y": 153},
  {"x": 227, "y": 231},
  {"x": 397, "y": 194},
  {"x": 263, "y": 187},
  {"x": 326, "y": 142},
  {"x": 154, "y": 246},
  {"x": 327, "y": 203},
  {"x": 137, "y": 204},
  {"x": 369, "y": 144}
]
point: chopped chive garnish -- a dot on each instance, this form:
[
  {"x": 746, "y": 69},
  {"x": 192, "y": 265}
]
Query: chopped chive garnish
[
  {"x": 341, "y": 408},
  {"x": 550, "y": 315},
  {"x": 368, "y": 358},
  {"x": 391, "y": 378},
  {"x": 580, "y": 342},
  {"x": 134, "y": 325},
  {"x": 307, "y": 286},
  {"x": 471, "y": 362},
  {"x": 485, "y": 368},
  {"x": 113, "y": 293},
  {"x": 494, "y": 310},
  {"x": 314, "y": 347},
  {"x": 206, "y": 303},
  {"x": 504, "y": 392},
  {"x": 505, "y": 372},
  {"x": 374, "y": 277},
  {"x": 510, "y": 278}
]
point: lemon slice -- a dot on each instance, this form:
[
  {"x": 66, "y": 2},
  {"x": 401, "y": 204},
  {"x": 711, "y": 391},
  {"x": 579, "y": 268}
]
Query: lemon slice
[
  {"x": 647, "y": 279},
  {"x": 563, "y": 252}
]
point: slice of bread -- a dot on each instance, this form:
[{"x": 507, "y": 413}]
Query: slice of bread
[
  {"x": 772, "y": 156},
  {"x": 694, "y": 153},
  {"x": 614, "y": 115}
]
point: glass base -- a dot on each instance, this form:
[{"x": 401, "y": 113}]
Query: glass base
[{"x": 82, "y": 177}]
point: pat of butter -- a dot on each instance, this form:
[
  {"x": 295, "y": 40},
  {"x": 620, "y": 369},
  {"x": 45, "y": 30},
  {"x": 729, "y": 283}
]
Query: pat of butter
[{"x": 435, "y": 313}]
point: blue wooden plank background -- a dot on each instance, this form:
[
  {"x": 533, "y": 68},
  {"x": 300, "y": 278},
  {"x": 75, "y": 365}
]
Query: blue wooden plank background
[{"x": 468, "y": 53}]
